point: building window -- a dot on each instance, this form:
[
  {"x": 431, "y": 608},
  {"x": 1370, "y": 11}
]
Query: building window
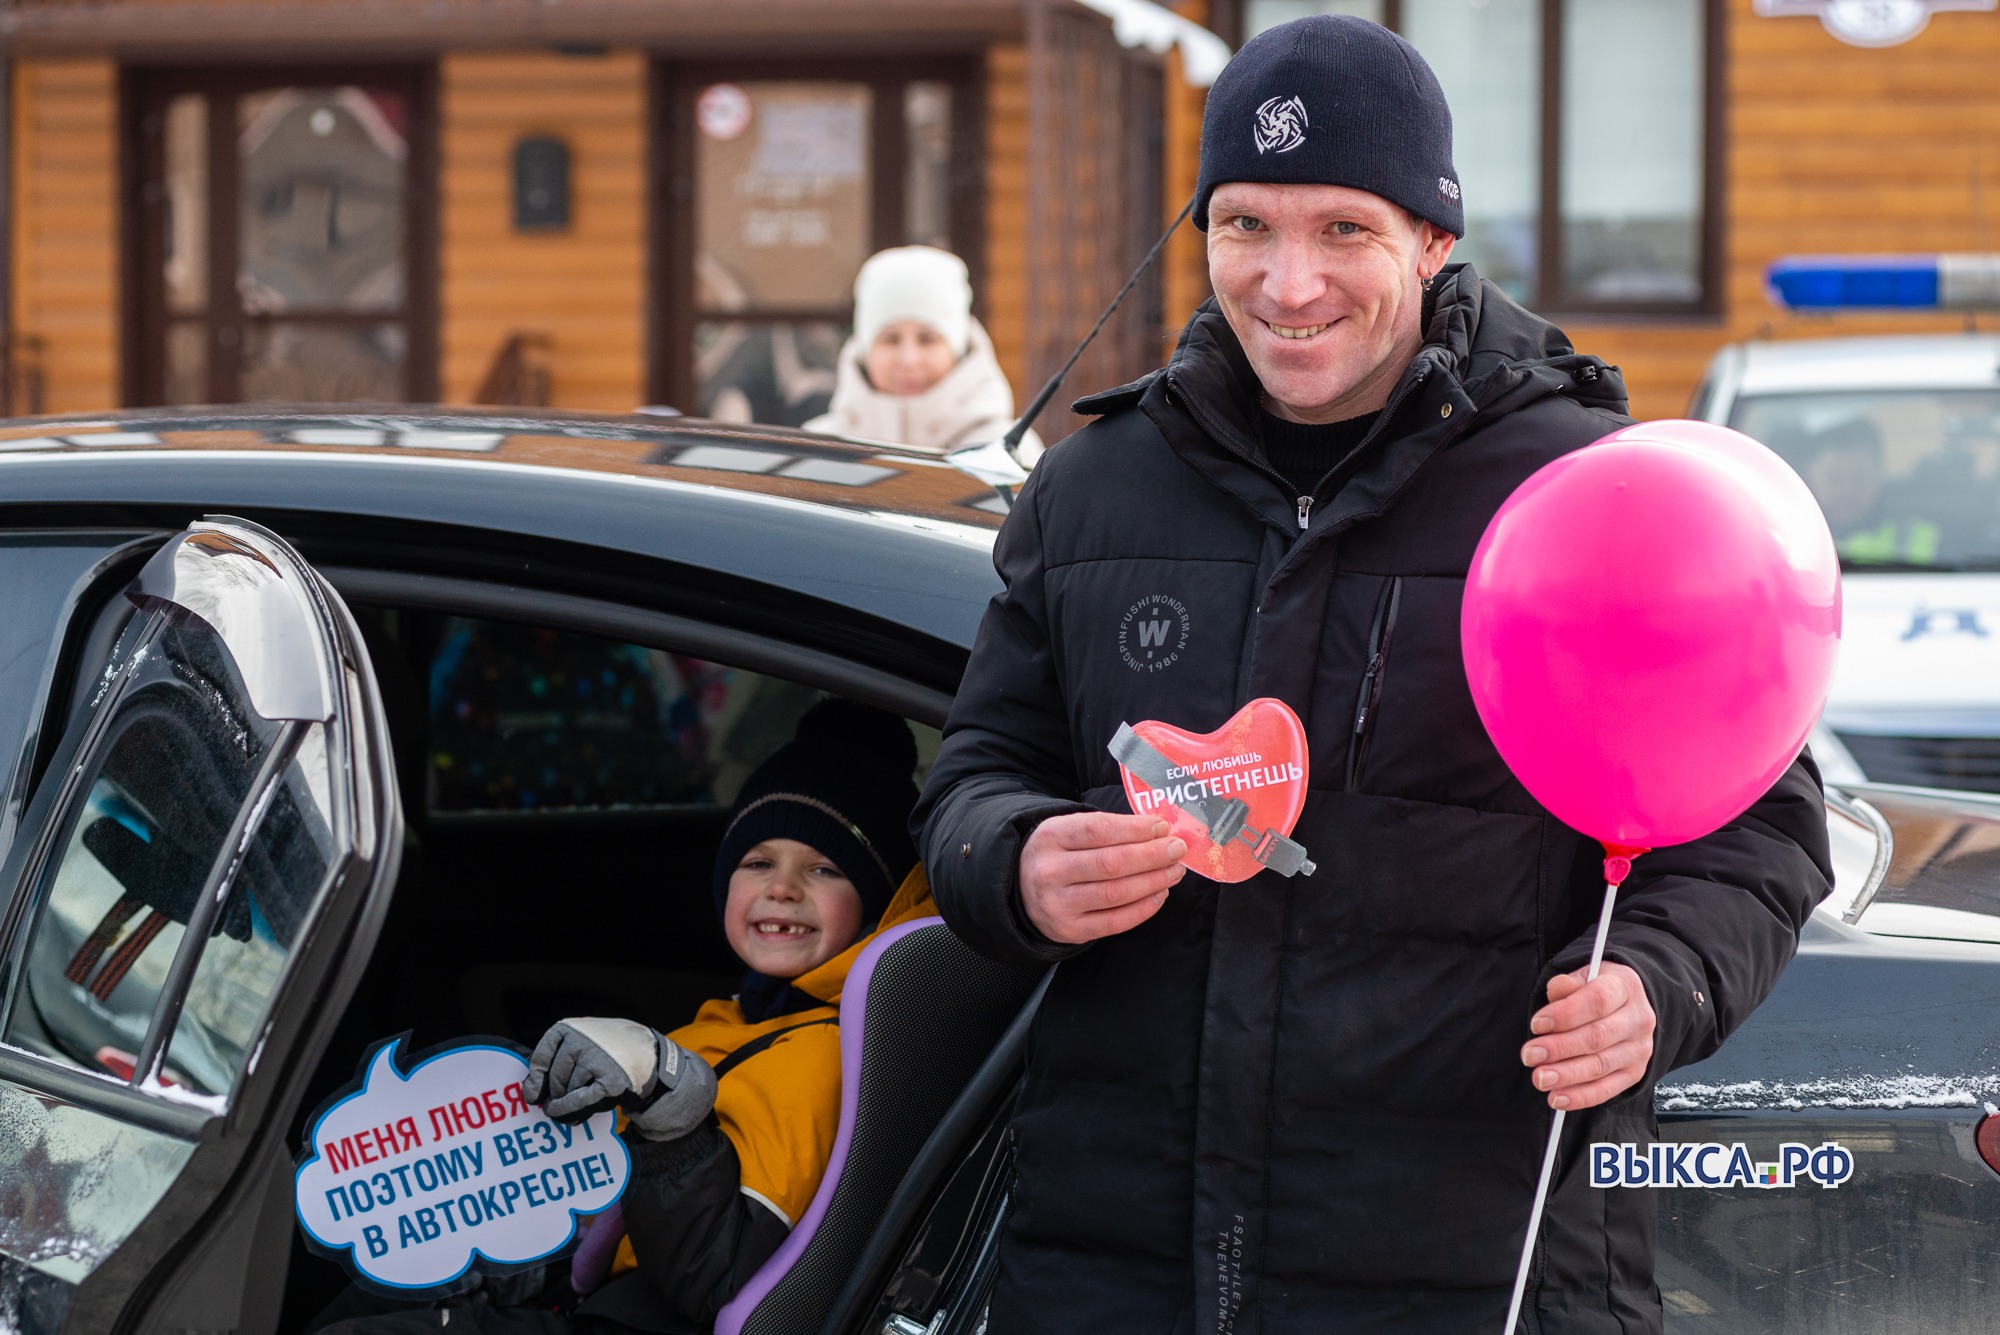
[
  {"x": 282, "y": 246},
  {"x": 1583, "y": 138},
  {"x": 778, "y": 182}
]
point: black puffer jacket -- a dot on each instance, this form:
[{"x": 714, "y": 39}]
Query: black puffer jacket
[{"x": 1297, "y": 1105}]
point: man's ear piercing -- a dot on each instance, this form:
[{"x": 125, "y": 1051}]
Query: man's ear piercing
[{"x": 1428, "y": 279}]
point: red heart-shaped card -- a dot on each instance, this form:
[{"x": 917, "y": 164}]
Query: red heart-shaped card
[{"x": 1233, "y": 794}]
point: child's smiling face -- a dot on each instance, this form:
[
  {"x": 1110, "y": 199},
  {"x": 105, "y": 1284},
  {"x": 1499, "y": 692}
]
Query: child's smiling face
[{"x": 790, "y": 909}]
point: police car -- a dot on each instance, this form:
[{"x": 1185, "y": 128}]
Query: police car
[{"x": 1899, "y": 439}]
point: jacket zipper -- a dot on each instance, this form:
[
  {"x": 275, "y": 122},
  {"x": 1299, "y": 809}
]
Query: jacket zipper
[
  {"x": 1381, "y": 421},
  {"x": 1306, "y": 503},
  {"x": 1380, "y": 634},
  {"x": 1186, "y": 405}
]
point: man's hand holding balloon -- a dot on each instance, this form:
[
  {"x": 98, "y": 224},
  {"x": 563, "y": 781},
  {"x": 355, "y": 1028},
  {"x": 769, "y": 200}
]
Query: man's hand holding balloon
[
  {"x": 1594, "y": 1040},
  {"x": 1650, "y": 628}
]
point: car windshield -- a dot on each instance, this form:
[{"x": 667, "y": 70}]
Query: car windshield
[{"x": 1906, "y": 477}]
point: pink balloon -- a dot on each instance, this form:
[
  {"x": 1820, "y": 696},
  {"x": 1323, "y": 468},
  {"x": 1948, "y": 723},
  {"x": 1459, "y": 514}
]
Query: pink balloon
[{"x": 1650, "y": 629}]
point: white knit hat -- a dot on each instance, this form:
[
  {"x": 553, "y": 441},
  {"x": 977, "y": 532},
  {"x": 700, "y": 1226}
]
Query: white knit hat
[{"x": 920, "y": 283}]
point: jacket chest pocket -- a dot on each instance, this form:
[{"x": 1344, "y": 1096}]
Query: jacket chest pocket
[
  {"x": 1368, "y": 700},
  {"x": 1138, "y": 638},
  {"x": 1408, "y": 724}
]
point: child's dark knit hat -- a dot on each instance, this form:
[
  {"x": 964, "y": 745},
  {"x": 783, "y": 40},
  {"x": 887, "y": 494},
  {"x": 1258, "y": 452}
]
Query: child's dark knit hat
[
  {"x": 1332, "y": 100},
  {"x": 845, "y": 786}
]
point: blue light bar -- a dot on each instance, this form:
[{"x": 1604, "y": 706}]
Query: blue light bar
[
  {"x": 1886, "y": 282},
  {"x": 1831, "y": 282}
]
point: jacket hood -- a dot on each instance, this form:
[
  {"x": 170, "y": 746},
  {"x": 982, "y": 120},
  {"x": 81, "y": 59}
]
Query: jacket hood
[
  {"x": 1497, "y": 348},
  {"x": 971, "y": 405}
]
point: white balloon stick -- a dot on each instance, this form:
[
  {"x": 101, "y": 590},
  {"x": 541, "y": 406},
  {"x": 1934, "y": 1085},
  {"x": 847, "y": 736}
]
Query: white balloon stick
[{"x": 1555, "y": 1136}]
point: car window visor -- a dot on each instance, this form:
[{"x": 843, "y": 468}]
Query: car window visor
[{"x": 237, "y": 580}]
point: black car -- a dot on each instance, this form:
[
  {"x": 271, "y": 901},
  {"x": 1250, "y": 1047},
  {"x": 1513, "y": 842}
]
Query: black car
[{"x": 319, "y": 727}]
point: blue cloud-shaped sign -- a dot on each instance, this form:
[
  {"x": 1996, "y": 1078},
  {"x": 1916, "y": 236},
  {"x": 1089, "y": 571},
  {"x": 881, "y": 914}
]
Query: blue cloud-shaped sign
[{"x": 416, "y": 1178}]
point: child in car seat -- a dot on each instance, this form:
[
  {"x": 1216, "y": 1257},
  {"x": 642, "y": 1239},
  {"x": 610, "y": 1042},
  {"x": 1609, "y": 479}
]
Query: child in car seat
[{"x": 731, "y": 1118}]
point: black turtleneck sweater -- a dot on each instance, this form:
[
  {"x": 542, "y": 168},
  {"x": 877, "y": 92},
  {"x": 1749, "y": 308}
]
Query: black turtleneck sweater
[{"x": 1303, "y": 454}]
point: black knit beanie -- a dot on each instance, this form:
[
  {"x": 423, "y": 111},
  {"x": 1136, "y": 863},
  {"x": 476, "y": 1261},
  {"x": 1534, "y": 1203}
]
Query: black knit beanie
[
  {"x": 845, "y": 786},
  {"x": 1332, "y": 100}
]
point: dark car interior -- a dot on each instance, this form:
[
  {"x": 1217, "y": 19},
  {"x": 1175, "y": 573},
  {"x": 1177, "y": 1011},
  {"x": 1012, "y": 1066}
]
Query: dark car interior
[{"x": 563, "y": 796}]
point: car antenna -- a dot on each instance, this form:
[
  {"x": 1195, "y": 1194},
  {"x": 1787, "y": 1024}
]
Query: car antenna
[{"x": 1015, "y": 432}]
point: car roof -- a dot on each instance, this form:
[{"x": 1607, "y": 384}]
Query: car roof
[
  {"x": 1913, "y": 361},
  {"x": 771, "y": 460},
  {"x": 891, "y": 531}
]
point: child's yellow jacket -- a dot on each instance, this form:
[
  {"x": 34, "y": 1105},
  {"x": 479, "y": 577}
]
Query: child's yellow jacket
[{"x": 778, "y": 1095}]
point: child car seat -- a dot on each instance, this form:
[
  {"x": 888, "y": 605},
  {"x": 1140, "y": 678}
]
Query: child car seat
[{"x": 917, "y": 1018}]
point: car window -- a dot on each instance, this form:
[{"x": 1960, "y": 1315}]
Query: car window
[
  {"x": 46, "y": 575},
  {"x": 273, "y": 897},
  {"x": 1905, "y": 477},
  {"x": 177, "y": 759},
  {"x": 526, "y": 718}
]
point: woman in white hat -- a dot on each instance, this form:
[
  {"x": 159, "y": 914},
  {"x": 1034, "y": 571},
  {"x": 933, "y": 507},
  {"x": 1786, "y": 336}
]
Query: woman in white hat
[{"x": 919, "y": 370}]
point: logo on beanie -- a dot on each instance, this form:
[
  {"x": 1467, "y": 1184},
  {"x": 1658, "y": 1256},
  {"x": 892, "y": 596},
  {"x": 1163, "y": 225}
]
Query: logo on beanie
[
  {"x": 1281, "y": 126},
  {"x": 1448, "y": 188}
]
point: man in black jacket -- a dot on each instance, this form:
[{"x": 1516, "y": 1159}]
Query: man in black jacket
[{"x": 1318, "y": 1103}]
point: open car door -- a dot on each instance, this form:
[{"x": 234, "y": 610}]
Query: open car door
[{"x": 196, "y": 886}]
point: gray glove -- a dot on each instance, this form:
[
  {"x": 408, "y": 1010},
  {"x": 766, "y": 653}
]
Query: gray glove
[{"x": 584, "y": 1066}]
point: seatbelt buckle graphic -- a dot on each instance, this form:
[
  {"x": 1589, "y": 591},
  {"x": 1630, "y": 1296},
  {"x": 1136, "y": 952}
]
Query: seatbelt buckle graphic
[
  {"x": 1226, "y": 819},
  {"x": 1278, "y": 853},
  {"x": 1231, "y": 821}
]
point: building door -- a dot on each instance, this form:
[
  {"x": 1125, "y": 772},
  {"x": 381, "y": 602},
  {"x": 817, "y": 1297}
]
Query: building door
[
  {"x": 283, "y": 239},
  {"x": 772, "y": 185}
]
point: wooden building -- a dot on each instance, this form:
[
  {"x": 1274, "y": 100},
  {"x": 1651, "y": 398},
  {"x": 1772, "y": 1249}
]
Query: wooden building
[
  {"x": 602, "y": 203},
  {"x": 593, "y": 204}
]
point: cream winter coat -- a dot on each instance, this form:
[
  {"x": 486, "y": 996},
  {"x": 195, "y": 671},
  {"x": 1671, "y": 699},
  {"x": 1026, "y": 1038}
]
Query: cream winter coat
[{"x": 973, "y": 404}]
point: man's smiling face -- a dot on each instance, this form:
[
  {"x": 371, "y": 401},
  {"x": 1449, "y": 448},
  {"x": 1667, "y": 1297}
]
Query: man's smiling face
[{"x": 1323, "y": 286}]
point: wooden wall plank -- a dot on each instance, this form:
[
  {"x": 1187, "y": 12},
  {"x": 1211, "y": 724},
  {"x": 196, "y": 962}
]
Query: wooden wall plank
[
  {"x": 1005, "y": 300},
  {"x": 1186, "y": 259},
  {"x": 65, "y": 233},
  {"x": 584, "y": 287}
]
